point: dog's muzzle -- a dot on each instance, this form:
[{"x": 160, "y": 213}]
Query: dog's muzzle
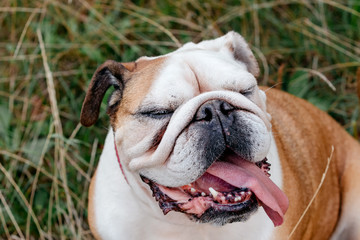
[{"x": 200, "y": 106}]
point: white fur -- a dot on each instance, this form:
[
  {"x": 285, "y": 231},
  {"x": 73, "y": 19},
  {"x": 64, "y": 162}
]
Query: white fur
[
  {"x": 125, "y": 213},
  {"x": 184, "y": 115},
  {"x": 191, "y": 76}
]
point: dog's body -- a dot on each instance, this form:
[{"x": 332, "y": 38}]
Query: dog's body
[{"x": 196, "y": 117}]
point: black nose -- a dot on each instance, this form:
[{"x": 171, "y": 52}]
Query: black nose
[{"x": 209, "y": 110}]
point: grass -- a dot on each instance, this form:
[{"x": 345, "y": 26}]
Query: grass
[{"x": 49, "y": 50}]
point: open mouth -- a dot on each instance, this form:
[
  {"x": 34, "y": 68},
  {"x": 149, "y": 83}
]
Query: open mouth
[{"x": 231, "y": 188}]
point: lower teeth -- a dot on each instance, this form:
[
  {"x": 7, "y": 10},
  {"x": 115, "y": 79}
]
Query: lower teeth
[{"x": 220, "y": 197}]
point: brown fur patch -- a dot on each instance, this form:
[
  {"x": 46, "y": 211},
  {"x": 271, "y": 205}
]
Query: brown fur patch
[
  {"x": 136, "y": 88},
  {"x": 129, "y": 66},
  {"x": 304, "y": 145}
]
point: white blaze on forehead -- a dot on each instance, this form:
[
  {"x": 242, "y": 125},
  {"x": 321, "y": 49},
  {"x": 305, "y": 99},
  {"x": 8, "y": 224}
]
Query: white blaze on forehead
[
  {"x": 186, "y": 74},
  {"x": 173, "y": 86},
  {"x": 225, "y": 62},
  {"x": 215, "y": 70}
]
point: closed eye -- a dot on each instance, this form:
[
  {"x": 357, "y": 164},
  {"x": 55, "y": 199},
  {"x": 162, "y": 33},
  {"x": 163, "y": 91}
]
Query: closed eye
[
  {"x": 157, "y": 113},
  {"x": 248, "y": 92}
]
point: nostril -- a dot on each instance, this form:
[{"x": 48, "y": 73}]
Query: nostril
[
  {"x": 205, "y": 113},
  {"x": 210, "y": 109},
  {"x": 208, "y": 115},
  {"x": 225, "y": 108}
]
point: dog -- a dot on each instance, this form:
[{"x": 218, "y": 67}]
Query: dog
[{"x": 197, "y": 150}]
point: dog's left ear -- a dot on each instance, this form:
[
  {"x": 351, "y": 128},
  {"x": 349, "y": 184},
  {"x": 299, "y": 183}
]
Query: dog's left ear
[
  {"x": 242, "y": 52},
  {"x": 110, "y": 73},
  {"x": 235, "y": 44}
]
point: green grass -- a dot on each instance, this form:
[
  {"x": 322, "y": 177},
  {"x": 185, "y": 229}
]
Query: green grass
[{"x": 47, "y": 158}]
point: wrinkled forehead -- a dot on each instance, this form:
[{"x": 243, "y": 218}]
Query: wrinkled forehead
[{"x": 187, "y": 73}]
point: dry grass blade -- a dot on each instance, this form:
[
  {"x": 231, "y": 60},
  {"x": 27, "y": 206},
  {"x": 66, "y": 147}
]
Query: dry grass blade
[
  {"x": 241, "y": 10},
  {"x": 322, "y": 15},
  {"x": 339, "y": 66},
  {"x": 103, "y": 20},
  {"x": 43, "y": 171},
  {"x": 36, "y": 177},
  {"x": 21, "y": 9},
  {"x": 72, "y": 136},
  {"x": 46, "y": 108},
  {"x": 91, "y": 167},
  {"x": 41, "y": 75},
  {"x": 264, "y": 64},
  {"x": 320, "y": 75},
  {"x": 12, "y": 218},
  {"x": 300, "y": 28},
  {"x": 358, "y": 82},
  {"x": 23, "y": 198},
  {"x": 23, "y": 33},
  {"x": 3, "y": 222},
  {"x": 50, "y": 207},
  {"x": 26, "y": 161},
  {"x": 342, "y": 7},
  {"x": 167, "y": 32},
  {"x": 77, "y": 167},
  {"x": 315, "y": 194},
  {"x": 341, "y": 40},
  {"x": 59, "y": 146},
  {"x": 186, "y": 23},
  {"x": 57, "y": 204},
  {"x": 20, "y": 58},
  {"x": 51, "y": 86}
]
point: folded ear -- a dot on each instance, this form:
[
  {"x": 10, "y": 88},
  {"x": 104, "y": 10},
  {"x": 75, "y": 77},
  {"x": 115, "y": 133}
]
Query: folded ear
[
  {"x": 236, "y": 44},
  {"x": 243, "y": 53},
  {"x": 109, "y": 74}
]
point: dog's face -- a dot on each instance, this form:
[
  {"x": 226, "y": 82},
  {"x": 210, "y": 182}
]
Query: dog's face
[{"x": 193, "y": 126}]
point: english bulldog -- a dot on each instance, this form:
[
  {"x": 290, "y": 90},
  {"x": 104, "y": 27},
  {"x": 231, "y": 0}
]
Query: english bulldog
[{"x": 196, "y": 150}]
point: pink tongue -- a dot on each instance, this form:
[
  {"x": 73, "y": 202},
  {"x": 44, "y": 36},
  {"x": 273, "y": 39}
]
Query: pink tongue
[{"x": 242, "y": 174}]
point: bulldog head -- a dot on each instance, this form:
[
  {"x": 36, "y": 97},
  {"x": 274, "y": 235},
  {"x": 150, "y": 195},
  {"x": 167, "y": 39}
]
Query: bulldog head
[{"x": 192, "y": 125}]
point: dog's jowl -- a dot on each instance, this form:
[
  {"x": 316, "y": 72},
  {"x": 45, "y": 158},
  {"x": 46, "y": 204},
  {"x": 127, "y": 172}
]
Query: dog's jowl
[{"x": 196, "y": 150}]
